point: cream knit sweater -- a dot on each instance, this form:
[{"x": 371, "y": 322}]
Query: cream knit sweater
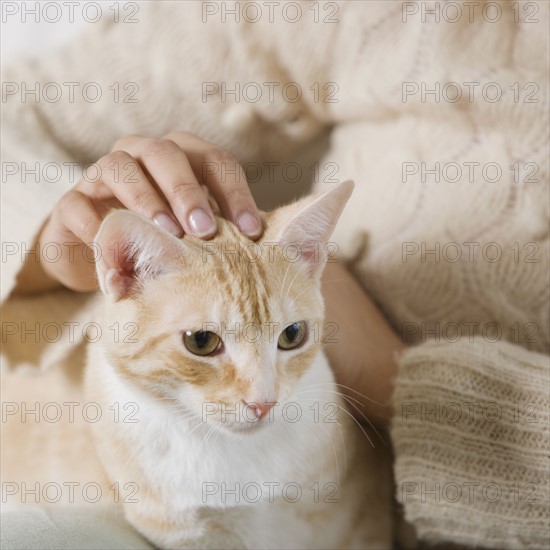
[{"x": 458, "y": 259}]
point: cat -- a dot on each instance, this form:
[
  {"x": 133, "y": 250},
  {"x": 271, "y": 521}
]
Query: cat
[{"x": 241, "y": 439}]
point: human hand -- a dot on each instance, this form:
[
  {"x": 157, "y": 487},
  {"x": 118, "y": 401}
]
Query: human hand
[{"x": 159, "y": 178}]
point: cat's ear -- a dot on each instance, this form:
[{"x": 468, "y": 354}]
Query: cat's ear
[
  {"x": 308, "y": 224},
  {"x": 129, "y": 249}
]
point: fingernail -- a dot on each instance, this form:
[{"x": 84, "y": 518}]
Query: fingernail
[
  {"x": 249, "y": 224},
  {"x": 201, "y": 223},
  {"x": 168, "y": 224}
]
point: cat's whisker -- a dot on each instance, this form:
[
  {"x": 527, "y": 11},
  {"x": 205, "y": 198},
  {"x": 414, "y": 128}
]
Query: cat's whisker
[
  {"x": 347, "y": 399},
  {"x": 205, "y": 438},
  {"x": 341, "y": 394},
  {"x": 199, "y": 424},
  {"x": 289, "y": 429},
  {"x": 316, "y": 384},
  {"x": 339, "y": 426},
  {"x": 362, "y": 413},
  {"x": 131, "y": 458},
  {"x": 182, "y": 412},
  {"x": 217, "y": 436},
  {"x": 351, "y": 416},
  {"x": 285, "y": 276}
]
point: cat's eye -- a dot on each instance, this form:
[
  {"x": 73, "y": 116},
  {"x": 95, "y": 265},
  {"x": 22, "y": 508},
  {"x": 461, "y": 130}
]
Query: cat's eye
[
  {"x": 293, "y": 335},
  {"x": 202, "y": 342}
]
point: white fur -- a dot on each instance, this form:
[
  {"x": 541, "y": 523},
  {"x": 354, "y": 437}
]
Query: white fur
[{"x": 173, "y": 457}]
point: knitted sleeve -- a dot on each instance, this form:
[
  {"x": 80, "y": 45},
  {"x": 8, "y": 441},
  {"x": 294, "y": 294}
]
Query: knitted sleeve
[
  {"x": 58, "y": 115},
  {"x": 471, "y": 441}
]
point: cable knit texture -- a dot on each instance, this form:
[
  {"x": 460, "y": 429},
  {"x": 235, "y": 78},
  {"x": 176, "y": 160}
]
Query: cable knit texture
[
  {"x": 457, "y": 260},
  {"x": 471, "y": 449}
]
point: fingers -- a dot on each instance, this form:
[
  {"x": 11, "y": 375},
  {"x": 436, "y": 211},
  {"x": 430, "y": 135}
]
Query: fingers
[
  {"x": 169, "y": 167},
  {"x": 213, "y": 204},
  {"x": 76, "y": 212},
  {"x": 73, "y": 225},
  {"x": 178, "y": 165},
  {"x": 129, "y": 184},
  {"x": 226, "y": 180}
]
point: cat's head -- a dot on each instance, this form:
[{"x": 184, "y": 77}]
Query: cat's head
[{"x": 221, "y": 329}]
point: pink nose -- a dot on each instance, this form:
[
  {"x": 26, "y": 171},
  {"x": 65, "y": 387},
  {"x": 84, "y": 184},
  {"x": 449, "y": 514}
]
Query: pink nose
[{"x": 260, "y": 409}]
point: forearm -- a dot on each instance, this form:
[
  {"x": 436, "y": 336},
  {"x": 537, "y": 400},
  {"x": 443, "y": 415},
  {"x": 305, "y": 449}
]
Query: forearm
[{"x": 364, "y": 350}]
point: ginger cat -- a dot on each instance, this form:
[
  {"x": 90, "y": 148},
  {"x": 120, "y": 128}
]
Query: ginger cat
[
  {"x": 228, "y": 429},
  {"x": 240, "y": 438}
]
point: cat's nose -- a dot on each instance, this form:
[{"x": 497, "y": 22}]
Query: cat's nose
[{"x": 260, "y": 409}]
